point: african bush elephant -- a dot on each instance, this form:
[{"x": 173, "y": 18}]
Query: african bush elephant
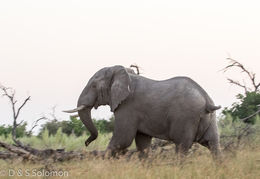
[{"x": 177, "y": 109}]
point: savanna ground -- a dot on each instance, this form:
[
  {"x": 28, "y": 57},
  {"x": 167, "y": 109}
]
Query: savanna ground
[{"x": 243, "y": 162}]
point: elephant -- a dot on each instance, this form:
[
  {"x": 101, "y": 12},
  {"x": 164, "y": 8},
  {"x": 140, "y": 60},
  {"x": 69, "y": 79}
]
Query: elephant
[{"x": 176, "y": 109}]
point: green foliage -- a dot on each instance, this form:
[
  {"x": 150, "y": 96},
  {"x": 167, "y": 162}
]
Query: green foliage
[
  {"x": 246, "y": 106},
  {"x": 76, "y": 127},
  {"x": 45, "y": 137},
  {"x": 48, "y": 141},
  {"x": 8, "y": 139},
  {"x": 228, "y": 126},
  {"x": 60, "y": 137},
  {"x": 52, "y": 126},
  {"x": 236, "y": 133},
  {"x": 104, "y": 126},
  {"x": 20, "y": 130},
  {"x": 5, "y": 130}
]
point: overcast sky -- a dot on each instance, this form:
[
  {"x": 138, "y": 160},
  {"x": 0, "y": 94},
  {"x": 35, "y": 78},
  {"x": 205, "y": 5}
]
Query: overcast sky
[{"x": 50, "y": 49}]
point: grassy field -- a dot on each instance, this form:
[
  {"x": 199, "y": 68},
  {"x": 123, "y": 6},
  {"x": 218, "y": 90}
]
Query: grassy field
[{"x": 243, "y": 163}]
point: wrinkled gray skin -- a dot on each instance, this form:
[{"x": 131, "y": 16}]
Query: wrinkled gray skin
[{"x": 177, "y": 109}]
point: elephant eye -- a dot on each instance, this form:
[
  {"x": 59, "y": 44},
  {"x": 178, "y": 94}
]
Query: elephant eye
[{"x": 94, "y": 86}]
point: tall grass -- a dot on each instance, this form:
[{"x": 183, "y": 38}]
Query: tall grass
[{"x": 245, "y": 164}]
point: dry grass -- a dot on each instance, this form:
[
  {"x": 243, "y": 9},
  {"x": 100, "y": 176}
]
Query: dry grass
[{"x": 241, "y": 164}]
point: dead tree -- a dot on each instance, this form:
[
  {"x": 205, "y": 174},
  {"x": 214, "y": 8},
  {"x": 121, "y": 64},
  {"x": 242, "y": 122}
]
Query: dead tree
[
  {"x": 10, "y": 94},
  {"x": 26, "y": 152},
  {"x": 251, "y": 76}
]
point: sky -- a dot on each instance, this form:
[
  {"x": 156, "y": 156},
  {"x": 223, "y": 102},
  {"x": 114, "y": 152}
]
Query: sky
[{"x": 50, "y": 49}]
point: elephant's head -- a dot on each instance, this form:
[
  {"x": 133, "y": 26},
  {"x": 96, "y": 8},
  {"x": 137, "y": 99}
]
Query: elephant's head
[{"x": 109, "y": 86}]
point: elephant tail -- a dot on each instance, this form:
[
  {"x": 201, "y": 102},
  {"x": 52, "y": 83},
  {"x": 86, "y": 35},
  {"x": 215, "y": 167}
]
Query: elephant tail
[{"x": 210, "y": 108}]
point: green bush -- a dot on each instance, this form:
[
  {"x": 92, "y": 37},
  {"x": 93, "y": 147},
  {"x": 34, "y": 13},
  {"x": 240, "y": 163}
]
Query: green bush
[
  {"x": 5, "y": 130},
  {"x": 20, "y": 130},
  {"x": 76, "y": 127},
  {"x": 104, "y": 126},
  {"x": 246, "y": 106},
  {"x": 234, "y": 133}
]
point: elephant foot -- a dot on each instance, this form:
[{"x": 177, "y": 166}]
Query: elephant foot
[{"x": 115, "y": 154}]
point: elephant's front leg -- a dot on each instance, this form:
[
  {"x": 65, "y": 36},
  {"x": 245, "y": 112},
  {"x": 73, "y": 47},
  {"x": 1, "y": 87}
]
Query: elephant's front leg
[{"x": 124, "y": 133}]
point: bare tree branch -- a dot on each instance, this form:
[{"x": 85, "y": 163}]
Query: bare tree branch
[
  {"x": 258, "y": 85},
  {"x": 238, "y": 84},
  {"x": 35, "y": 124},
  {"x": 19, "y": 109},
  {"x": 20, "y": 123},
  {"x": 251, "y": 75}
]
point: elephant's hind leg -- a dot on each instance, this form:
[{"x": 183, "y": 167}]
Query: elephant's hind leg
[
  {"x": 211, "y": 141},
  {"x": 183, "y": 148},
  {"x": 142, "y": 142}
]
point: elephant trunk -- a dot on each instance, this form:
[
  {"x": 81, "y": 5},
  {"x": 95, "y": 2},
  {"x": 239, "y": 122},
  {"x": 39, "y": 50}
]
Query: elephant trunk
[{"x": 85, "y": 117}]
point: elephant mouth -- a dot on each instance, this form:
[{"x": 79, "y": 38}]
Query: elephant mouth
[{"x": 100, "y": 101}]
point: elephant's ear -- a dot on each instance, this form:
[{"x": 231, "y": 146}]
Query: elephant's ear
[{"x": 120, "y": 87}]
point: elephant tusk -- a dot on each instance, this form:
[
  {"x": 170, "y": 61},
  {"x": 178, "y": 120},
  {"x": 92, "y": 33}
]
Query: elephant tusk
[{"x": 76, "y": 109}]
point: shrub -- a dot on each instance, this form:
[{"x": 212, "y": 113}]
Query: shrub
[
  {"x": 75, "y": 126},
  {"x": 20, "y": 130},
  {"x": 246, "y": 106},
  {"x": 234, "y": 133}
]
